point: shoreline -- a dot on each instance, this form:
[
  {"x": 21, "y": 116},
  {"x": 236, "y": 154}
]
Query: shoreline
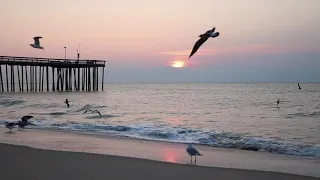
[
  {"x": 219, "y": 140},
  {"x": 162, "y": 151},
  {"x": 81, "y": 166}
]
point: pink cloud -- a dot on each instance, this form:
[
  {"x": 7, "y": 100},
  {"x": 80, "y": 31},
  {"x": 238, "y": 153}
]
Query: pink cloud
[{"x": 247, "y": 49}]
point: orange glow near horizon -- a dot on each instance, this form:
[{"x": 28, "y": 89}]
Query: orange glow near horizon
[{"x": 177, "y": 64}]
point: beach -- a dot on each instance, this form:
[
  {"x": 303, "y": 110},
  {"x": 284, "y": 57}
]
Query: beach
[
  {"x": 237, "y": 127},
  {"x": 18, "y": 162},
  {"x": 61, "y": 155}
]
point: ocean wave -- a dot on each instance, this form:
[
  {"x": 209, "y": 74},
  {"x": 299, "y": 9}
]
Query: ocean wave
[
  {"x": 10, "y": 102},
  {"x": 89, "y": 106},
  {"x": 57, "y": 113},
  {"x": 104, "y": 116},
  {"x": 301, "y": 114},
  {"x": 88, "y": 127},
  {"x": 184, "y": 135},
  {"x": 43, "y": 106}
]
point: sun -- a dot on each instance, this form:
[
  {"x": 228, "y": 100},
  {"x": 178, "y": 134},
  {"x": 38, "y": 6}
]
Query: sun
[{"x": 177, "y": 64}]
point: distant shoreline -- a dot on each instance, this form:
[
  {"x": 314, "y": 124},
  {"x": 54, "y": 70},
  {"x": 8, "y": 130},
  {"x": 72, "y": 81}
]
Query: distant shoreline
[{"x": 290, "y": 82}]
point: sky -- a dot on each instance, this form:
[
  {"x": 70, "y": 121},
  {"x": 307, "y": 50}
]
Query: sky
[{"x": 260, "y": 40}]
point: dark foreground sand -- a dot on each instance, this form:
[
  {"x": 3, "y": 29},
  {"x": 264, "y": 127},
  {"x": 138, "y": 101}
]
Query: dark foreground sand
[{"x": 24, "y": 163}]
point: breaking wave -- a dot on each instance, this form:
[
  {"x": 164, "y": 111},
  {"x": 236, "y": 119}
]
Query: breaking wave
[{"x": 184, "y": 135}]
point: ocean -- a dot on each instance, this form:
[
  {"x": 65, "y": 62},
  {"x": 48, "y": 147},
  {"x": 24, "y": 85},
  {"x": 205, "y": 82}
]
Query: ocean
[{"x": 227, "y": 115}]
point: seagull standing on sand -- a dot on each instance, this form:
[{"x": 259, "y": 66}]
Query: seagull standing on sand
[
  {"x": 299, "y": 86},
  {"x": 203, "y": 38},
  {"x": 37, "y": 43},
  {"x": 278, "y": 102},
  {"x": 24, "y": 121},
  {"x": 193, "y": 152},
  {"x": 10, "y": 125},
  {"x": 92, "y": 111}
]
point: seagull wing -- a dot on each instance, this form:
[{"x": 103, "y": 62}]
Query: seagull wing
[
  {"x": 98, "y": 112},
  {"x": 30, "y": 124},
  {"x": 26, "y": 118},
  {"x": 36, "y": 40},
  {"x": 198, "y": 44},
  {"x": 193, "y": 151},
  {"x": 85, "y": 111}
]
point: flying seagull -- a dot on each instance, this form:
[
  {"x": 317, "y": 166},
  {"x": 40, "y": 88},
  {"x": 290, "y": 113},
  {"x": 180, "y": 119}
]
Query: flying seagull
[
  {"x": 92, "y": 111},
  {"x": 24, "y": 121},
  {"x": 67, "y": 102},
  {"x": 203, "y": 38},
  {"x": 299, "y": 86},
  {"x": 193, "y": 152},
  {"x": 37, "y": 43},
  {"x": 10, "y": 125},
  {"x": 26, "y": 118}
]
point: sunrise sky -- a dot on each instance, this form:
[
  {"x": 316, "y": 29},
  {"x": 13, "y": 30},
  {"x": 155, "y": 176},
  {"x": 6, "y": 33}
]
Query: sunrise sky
[{"x": 260, "y": 40}]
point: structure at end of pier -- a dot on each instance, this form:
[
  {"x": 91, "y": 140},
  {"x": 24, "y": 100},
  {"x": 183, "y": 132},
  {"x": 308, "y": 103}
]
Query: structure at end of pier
[{"x": 32, "y": 74}]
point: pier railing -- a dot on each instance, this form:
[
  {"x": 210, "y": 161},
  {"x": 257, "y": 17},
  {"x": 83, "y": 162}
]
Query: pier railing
[{"x": 33, "y": 61}]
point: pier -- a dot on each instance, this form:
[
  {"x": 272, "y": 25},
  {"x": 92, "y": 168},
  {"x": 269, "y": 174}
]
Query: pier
[{"x": 31, "y": 74}]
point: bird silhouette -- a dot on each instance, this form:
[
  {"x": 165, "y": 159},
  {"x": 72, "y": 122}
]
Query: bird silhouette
[
  {"x": 92, "y": 111},
  {"x": 10, "y": 125},
  {"x": 67, "y": 102},
  {"x": 203, "y": 38},
  {"x": 24, "y": 122},
  {"x": 36, "y": 43},
  {"x": 299, "y": 86}
]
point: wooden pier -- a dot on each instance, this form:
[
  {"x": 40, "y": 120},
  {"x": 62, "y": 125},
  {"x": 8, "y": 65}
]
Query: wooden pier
[{"x": 45, "y": 74}]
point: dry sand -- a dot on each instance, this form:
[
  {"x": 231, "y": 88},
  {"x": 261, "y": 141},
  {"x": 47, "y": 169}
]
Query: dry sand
[{"x": 24, "y": 163}]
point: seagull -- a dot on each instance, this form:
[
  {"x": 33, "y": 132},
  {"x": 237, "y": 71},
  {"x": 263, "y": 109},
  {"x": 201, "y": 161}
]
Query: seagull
[
  {"x": 37, "y": 43},
  {"x": 92, "y": 111},
  {"x": 24, "y": 121},
  {"x": 10, "y": 125},
  {"x": 203, "y": 38},
  {"x": 67, "y": 102},
  {"x": 299, "y": 86},
  {"x": 278, "y": 102},
  {"x": 193, "y": 152}
]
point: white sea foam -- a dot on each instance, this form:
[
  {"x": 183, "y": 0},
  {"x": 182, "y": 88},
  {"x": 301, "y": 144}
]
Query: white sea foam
[{"x": 183, "y": 135}]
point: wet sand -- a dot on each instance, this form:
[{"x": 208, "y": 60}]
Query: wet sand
[
  {"x": 121, "y": 158},
  {"x": 18, "y": 162}
]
